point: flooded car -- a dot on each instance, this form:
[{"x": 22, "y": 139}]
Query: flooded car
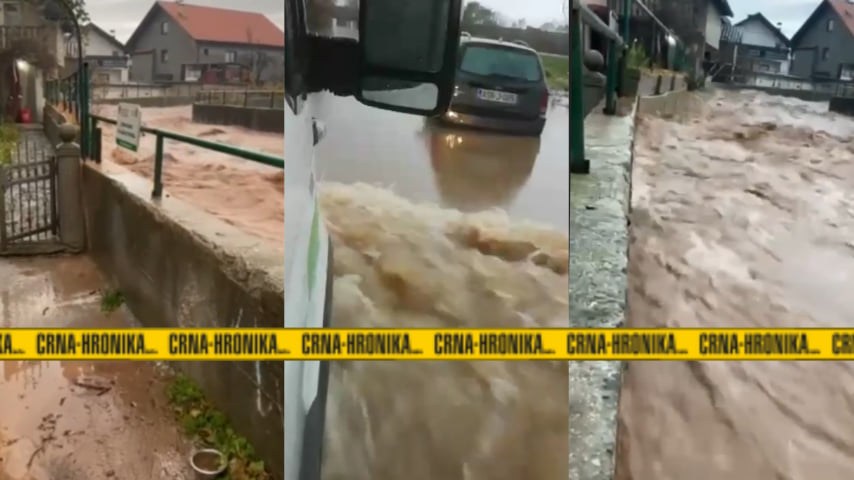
[{"x": 500, "y": 86}]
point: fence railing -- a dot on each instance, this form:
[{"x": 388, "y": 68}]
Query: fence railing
[
  {"x": 10, "y": 34},
  {"x": 632, "y": 36},
  {"x": 274, "y": 99},
  {"x": 65, "y": 94},
  {"x": 161, "y": 135}
]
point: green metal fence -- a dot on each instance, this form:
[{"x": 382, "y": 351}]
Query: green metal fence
[
  {"x": 68, "y": 94},
  {"x": 636, "y": 26},
  {"x": 273, "y": 99}
]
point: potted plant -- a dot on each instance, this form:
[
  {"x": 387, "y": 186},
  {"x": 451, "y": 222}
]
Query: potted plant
[{"x": 636, "y": 59}]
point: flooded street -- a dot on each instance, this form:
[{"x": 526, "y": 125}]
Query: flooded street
[
  {"x": 468, "y": 170},
  {"x": 79, "y": 420},
  {"x": 240, "y": 192},
  {"x": 743, "y": 217}
]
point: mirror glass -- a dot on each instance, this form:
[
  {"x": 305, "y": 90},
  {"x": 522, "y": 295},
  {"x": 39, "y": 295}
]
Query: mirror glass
[
  {"x": 405, "y": 34},
  {"x": 400, "y": 93}
]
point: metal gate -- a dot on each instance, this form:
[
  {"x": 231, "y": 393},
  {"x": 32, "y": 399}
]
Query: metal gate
[{"x": 28, "y": 200}]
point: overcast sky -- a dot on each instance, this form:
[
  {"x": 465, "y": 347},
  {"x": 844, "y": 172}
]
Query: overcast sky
[
  {"x": 124, "y": 15},
  {"x": 791, "y": 13}
]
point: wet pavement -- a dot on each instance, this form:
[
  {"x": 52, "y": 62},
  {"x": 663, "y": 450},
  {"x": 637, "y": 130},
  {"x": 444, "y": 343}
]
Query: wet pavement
[
  {"x": 79, "y": 420},
  {"x": 464, "y": 169},
  {"x": 597, "y": 279},
  {"x": 743, "y": 217}
]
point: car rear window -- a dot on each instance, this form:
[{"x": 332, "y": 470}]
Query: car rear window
[{"x": 501, "y": 62}]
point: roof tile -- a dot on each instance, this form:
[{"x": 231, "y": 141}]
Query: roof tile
[{"x": 209, "y": 24}]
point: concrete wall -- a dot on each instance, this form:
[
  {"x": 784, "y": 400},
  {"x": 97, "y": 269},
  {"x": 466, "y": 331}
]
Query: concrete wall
[
  {"x": 179, "y": 267},
  {"x": 808, "y": 95},
  {"x": 145, "y": 90},
  {"x": 556, "y": 43},
  {"x": 270, "y": 60},
  {"x": 263, "y": 119},
  {"x": 713, "y": 26},
  {"x": 843, "y": 105}
]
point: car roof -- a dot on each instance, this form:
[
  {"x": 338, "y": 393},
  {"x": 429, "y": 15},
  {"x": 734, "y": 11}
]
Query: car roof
[{"x": 501, "y": 43}]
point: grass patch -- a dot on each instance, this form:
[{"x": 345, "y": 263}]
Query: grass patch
[
  {"x": 9, "y": 136},
  {"x": 210, "y": 426},
  {"x": 557, "y": 71},
  {"x": 111, "y": 300}
]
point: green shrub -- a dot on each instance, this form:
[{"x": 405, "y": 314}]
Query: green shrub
[
  {"x": 9, "y": 136},
  {"x": 636, "y": 57}
]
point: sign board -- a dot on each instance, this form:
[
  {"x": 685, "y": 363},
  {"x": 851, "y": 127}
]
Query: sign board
[{"x": 128, "y": 124}]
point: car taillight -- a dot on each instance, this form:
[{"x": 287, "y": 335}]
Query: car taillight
[{"x": 544, "y": 102}]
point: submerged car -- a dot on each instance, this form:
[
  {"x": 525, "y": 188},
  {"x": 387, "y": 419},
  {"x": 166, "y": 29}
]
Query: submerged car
[{"x": 500, "y": 86}]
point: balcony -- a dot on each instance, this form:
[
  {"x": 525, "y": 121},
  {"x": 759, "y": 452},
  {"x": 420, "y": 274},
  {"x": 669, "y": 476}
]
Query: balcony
[{"x": 9, "y": 35}]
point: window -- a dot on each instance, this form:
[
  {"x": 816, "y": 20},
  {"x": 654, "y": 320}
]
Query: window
[
  {"x": 205, "y": 52},
  {"x": 164, "y": 28},
  {"x": 11, "y": 14},
  {"x": 503, "y": 62},
  {"x": 115, "y": 53},
  {"x": 825, "y": 53},
  {"x": 830, "y": 25},
  {"x": 230, "y": 57},
  {"x": 164, "y": 56},
  {"x": 341, "y": 22}
]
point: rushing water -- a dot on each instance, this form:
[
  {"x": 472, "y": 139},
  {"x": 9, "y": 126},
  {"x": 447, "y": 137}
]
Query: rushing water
[{"x": 742, "y": 217}]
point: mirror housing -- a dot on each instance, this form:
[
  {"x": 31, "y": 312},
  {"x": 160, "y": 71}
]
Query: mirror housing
[{"x": 408, "y": 54}]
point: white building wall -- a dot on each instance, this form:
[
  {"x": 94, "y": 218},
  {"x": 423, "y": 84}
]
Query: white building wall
[
  {"x": 713, "y": 26},
  {"x": 755, "y": 32}
]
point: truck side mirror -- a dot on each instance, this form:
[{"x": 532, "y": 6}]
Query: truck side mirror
[{"x": 408, "y": 54}]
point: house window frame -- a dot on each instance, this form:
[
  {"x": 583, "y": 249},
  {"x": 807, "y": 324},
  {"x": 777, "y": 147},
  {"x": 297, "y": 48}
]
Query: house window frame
[
  {"x": 232, "y": 55},
  {"x": 18, "y": 18},
  {"x": 164, "y": 27},
  {"x": 164, "y": 56},
  {"x": 825, "y": 54},
  {"x": 830, "y": 24}
]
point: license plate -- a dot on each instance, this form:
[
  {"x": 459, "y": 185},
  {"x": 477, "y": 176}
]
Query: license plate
[{"x": 496, "y": 96}]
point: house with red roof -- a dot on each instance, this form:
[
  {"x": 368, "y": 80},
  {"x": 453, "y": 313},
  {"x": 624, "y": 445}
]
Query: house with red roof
[
  {"x": 823, "y": 48},
  {"x": 180, "y": 42}
]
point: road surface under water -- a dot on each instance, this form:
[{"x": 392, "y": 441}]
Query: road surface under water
[
  {"x": 79, "y": 420},
  {"x": 464, "y": 169},
  {"x": 743, "y": 217}
]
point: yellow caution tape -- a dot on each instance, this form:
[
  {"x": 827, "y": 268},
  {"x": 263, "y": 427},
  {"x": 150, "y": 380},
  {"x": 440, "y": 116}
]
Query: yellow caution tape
[{"x": 426, "y": 344}]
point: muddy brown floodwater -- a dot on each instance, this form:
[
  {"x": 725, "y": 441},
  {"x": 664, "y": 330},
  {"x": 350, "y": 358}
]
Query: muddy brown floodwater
[
  {"x": 80, "y": 420},
  {"x": 743, "y": 217},
  {"x": 398, "y": 264},
  {"x": 242, "y": 193}
]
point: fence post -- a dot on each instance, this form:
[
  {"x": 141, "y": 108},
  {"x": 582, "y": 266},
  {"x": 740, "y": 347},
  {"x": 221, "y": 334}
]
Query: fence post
[
  {"x": 611, "y": 80},
  {"x": 157, "y": 192},
  {"x": 83, "y": 97},
  {"x": 72, "y": 227},
  {"x": 577, "y": 162}
]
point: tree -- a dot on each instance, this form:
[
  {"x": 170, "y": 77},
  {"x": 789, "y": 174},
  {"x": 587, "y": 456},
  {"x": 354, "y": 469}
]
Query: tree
[{"x": 475, "y": 13}]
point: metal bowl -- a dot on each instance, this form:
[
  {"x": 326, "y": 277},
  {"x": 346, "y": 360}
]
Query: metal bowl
[{"x": 203, "y": 469}]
